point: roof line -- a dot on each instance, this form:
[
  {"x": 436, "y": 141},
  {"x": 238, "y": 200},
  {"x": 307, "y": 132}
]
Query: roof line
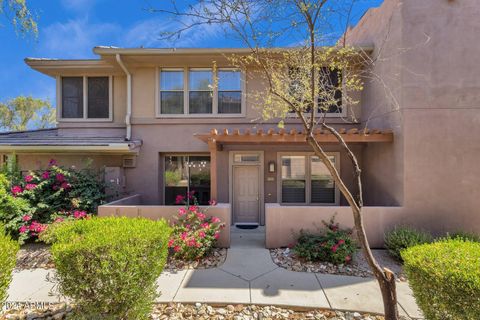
[
  {"x": 28, "y": 131},
  {"x": 159, "y": 51}
]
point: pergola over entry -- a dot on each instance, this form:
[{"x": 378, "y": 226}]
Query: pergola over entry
[{"x": 215, "y": 141}]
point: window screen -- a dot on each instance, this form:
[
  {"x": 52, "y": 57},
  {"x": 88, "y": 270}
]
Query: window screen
[
  {"x": 229, "y": 91},
  {"x": 322, "y": 183},
  {"x": 72, "y": 97},
  {"x": 171, "y": 92},
  {"x": 200, "y": 94},
  {"x": 98, "y": 98},
  {"x": 293, "y": 179},
  {"x": 330, "y": 100}
]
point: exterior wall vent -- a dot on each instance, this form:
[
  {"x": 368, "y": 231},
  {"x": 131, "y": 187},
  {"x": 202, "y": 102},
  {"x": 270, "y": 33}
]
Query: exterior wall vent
[{"x": 129, "y": 162}]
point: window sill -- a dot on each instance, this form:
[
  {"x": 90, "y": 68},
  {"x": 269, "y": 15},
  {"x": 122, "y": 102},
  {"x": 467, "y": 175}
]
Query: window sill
[
  {"x": 199, "y": 116},
  {"x": 64, "y": 120}
]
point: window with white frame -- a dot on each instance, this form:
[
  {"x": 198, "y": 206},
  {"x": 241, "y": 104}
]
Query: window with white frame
[
  {"x": 200, "y": 91},
  {"x": 86, "y": 97},
  {"x": 171, "y": 91},
  {"x": 306, "y": 180},
  {"x": 191, "y": 91}
]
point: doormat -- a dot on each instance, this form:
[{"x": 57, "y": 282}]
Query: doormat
[{"x": 246, "y": 226}]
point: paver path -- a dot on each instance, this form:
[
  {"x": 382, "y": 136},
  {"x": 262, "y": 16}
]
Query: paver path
[{"x": 247, "y": 276}]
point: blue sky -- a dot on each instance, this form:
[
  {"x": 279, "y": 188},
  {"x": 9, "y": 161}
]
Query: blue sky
[{"x": 69, "y": 29}]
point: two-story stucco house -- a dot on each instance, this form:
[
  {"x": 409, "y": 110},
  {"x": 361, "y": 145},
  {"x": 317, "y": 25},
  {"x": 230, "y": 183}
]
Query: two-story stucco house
[{"x": 153, "y": 118}]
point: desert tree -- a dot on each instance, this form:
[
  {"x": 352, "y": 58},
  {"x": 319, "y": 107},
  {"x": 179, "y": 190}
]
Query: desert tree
[
  {"x": 23, "y": 112},
  {"x": 307, "y": 78},
  {"x": 20, "y": 16}
]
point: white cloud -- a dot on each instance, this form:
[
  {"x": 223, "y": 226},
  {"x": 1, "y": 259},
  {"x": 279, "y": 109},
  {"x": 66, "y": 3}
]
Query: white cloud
[
  {"x": 148, "y": 33},
  {"x": 78, "y": 5},
  {"x": 76, "y": 38}
]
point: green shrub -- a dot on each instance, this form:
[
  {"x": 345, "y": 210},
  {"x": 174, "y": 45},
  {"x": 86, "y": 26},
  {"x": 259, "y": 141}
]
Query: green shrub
[
  {"x": 330, "y": 245},
  {"x": 41, "y": 196},
  {"x": 402, "y": 237},
  {"x": 8, "y": 252},
  {"x": 445, "y": 278},
  {"x": 109, "y": 266},
  {"x": 467, "y": 236}
]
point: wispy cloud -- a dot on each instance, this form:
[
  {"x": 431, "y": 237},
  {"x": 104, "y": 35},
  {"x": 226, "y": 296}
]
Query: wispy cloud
[
  {"x": 76, "y": 38},
  {"x": 78, "y": 5},
  {"x": 149, "y": 33}
]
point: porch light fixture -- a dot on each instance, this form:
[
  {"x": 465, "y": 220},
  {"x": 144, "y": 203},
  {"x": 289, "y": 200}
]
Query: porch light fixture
[{"x": 271, "y": 167}]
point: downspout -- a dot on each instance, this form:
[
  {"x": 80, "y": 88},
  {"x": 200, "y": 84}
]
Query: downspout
[{"x": 128, "y": 117}]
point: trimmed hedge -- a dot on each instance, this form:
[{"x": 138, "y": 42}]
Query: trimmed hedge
[
  {"x": 402, "y": 237},
  {"x": 109, "y": 266},
  {"x": 8, "y": 253},
  {"x": 445, "y": 278}
]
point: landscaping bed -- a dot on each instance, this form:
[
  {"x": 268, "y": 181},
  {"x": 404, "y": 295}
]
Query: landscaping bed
[
  {"x": 286, "y": 258},
  {"x": 37, "y": 255},
  {"x": 201, "y": 311}
]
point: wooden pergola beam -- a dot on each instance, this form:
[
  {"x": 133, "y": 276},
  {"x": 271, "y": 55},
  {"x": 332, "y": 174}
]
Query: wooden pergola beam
[{"x": 293, "y": 137}]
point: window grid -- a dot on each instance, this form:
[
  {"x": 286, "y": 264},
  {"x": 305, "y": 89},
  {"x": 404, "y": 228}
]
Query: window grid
[
  {"x": 215, "y": 91},
  {"x": 308, "y": 178},
  {"x": 185, "y": 95},
  {"x": 85, "y": 117}
]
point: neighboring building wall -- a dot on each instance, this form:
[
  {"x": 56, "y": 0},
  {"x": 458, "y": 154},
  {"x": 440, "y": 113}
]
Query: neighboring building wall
[{"x": 431, "y": 54}]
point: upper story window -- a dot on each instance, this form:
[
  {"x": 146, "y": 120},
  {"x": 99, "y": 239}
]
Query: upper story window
[
  {"x": 85, "y": 98},
  {"x": 191, "y": 91},
  {"x": 329, "y": 99}
]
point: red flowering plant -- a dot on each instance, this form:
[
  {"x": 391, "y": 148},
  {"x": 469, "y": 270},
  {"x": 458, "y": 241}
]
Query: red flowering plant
[
  {"x": 331, "y": 244},
  {"x": 194, "y": 234},
  {"x": 49, "y": 192}
]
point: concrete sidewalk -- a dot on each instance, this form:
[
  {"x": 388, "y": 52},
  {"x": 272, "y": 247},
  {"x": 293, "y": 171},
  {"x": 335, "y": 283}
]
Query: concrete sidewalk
[{"x": 248, "y": 276}]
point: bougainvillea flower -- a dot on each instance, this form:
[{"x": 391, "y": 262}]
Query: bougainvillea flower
[
  {"x": 46, "y": 175},
  {"x": 215, "y": 220},
  {"x": 216, "y": 235},
  {"x": 212, "y": 202},
  {"x": 30, "y": 186},
  {"x": 201, "y": 216},
  {"x": 60, "y": 177},
  {"x": 26, "y": 218},
  {"x": 65, "y": 185},
  {"x": 23, "y": 229},
  {"x": 182, "y": 211},
  {"x": 16, "y": 189},
  {"x": 176, "y": 248},
  {"x": 201, "y": 234},
  {"x": 28, "y": 178},
  {"x": 179, "y": 199}
]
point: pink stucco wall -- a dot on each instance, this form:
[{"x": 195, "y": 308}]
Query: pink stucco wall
[
  {"x": 130, "y": 207},
  {"x": 283, "y": 223}
]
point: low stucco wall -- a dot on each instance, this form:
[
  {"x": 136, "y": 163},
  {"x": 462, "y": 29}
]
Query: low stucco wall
[
  {"x": 131, "y": 207},
  {"x": 282, "y": 223}
]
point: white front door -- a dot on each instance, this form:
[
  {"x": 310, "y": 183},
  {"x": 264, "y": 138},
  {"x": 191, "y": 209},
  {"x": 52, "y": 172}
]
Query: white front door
[{"x": 246, "y": 194}]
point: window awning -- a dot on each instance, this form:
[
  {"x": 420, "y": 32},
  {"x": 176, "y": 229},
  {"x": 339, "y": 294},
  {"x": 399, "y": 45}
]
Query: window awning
[{"x": 282, "y": 136}]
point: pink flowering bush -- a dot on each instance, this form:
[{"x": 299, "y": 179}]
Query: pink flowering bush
[
  {"x": 194, "y": 234},
  {"x": 50, "y": 194},
  {"x": 330, "y": 244}
]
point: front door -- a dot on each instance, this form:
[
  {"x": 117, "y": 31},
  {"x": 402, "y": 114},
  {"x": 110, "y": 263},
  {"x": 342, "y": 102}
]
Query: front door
[{"x": 246, "y": 197}]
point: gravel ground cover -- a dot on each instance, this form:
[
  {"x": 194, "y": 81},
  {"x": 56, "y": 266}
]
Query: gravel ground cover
[
  {"x": 37, "y": 255},
  {"x": 286, "y": 258},
  {"x": 174, "y": 311}
]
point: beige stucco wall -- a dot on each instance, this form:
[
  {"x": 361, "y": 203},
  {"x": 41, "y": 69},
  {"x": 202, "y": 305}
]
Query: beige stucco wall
[
  {"x": 40, "y": 161},
  {"x": 131, "y": 208},
  {"x": 113, "y": 128},
  {"x": 283, "y": 223},
  {"x": 430, "y": 65}
]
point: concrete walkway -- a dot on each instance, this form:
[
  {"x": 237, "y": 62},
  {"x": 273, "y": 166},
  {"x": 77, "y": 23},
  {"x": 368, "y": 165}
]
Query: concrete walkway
[{"x": 247, "y": 276}]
